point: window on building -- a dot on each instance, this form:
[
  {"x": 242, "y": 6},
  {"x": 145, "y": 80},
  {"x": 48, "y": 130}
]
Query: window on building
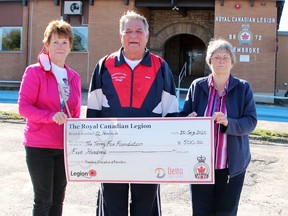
[
  {"x": 10, "y": 38},
  {"x": 11, "y": 20},
  {"x": 79, "y": 22},
  {"x": 80, "y": 43}
]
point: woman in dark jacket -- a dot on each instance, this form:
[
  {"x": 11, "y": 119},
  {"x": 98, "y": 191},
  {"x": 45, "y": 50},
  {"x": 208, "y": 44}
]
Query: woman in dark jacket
[{"x": 229, "y": 101}]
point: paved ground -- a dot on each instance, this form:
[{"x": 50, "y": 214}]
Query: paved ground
[{"x": 264, "y": 193}]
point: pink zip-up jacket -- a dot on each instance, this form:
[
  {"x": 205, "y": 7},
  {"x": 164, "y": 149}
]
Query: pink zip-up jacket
[{"x": 38, "y": 102}]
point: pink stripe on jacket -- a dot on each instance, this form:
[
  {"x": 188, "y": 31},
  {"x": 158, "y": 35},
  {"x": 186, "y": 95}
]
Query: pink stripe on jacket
[{"x": 38, "y": 102}]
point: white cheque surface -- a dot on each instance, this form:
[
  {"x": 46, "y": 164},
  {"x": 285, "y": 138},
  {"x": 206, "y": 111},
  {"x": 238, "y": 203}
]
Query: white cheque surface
[{"x": 140, "y": 150}]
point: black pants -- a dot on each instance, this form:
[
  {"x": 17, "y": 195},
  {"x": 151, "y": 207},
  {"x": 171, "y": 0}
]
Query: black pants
[
  {"x": 47, "y": 171},
  {"x": 220, "y": 199},
  {"x": 113, "y": 200}
]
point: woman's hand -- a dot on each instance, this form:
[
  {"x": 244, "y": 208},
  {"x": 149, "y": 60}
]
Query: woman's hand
[
  {"x": 60, "y": 118},
  {"x": 220, "y": 118},
  {"x": 193, "y": 114}
]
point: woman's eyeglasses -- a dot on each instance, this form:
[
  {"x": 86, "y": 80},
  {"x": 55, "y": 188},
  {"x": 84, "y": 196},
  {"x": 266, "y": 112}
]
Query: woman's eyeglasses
[{"x": 218, "y": 59}]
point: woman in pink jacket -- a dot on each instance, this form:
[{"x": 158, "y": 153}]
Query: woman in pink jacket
[{"x": 50, "y": 92}]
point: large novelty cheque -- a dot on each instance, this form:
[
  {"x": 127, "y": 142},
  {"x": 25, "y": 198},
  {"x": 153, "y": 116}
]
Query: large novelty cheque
[{"x": 140, "y": 150}]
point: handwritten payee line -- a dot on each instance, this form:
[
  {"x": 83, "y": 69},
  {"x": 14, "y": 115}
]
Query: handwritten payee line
[{"x": 117, "y": 152}]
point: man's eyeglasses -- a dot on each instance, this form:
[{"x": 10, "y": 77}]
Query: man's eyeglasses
[{"x": 218, "y": 58}]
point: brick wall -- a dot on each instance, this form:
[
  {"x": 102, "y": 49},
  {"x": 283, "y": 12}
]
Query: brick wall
[
  {"x": 282, "y": 63},
  {"x": 104, "y": 38},
  {"x": 163, "y": 18},
  {"x": 261, "y": 18}
]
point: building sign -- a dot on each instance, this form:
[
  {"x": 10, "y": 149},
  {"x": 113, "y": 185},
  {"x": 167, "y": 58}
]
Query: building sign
[
  {"x": 245, "y": 36},
  {"x": 266, "y": 20},
  {"x": 244, "y": 58}
]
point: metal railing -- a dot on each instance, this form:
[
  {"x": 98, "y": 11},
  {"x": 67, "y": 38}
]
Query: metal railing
[
  {"x": 255, "y": 95},
  {"x": 180, "y": 77},
  {"x": 9, "y": 83}
]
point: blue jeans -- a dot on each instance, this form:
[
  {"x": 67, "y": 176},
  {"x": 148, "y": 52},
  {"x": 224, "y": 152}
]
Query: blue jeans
[
  {"x": 47, "y": 172},
  {"x": 220, "y": 199}
]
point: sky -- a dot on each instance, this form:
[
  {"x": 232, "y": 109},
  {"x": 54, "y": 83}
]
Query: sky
[{"x": 283, "y": 26}]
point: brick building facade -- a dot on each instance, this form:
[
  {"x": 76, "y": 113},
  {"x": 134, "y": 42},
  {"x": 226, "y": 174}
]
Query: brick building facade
[{"x": 179, "y": 32}]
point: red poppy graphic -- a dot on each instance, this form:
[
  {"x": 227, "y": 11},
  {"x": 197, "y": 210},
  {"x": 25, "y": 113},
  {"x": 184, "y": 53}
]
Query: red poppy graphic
[{"x": 92, "y": 172}]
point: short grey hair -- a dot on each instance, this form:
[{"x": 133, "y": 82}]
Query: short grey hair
[
  {"x": 219, "y": 44},
  {"x": 132, "y": 15}
]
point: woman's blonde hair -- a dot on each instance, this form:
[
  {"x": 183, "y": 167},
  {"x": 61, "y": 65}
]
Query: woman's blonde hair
[{"x": 60, "y": 27}]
